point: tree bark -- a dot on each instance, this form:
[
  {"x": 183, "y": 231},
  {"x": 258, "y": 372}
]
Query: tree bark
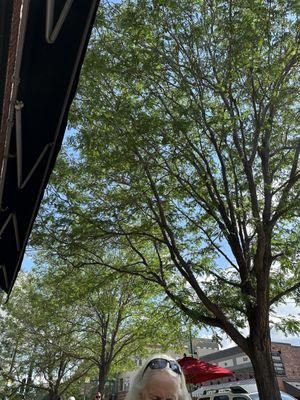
[
  {"x": 101, "y": 381},
  {"x": 261, "y": 359}
]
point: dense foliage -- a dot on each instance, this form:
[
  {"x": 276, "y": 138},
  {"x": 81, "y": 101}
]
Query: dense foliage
[
  {"x": 61, "y": 326},
  {"x": 183, "y": 163}
]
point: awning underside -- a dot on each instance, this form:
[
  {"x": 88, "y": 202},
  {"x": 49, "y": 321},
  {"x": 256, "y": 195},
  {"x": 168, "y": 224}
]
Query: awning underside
[{"x": 48, "y": 78}]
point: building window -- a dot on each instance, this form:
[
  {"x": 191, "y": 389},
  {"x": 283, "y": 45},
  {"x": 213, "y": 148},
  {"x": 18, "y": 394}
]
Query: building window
[
  {"x": 242, "y": 360},
  {"x": 277, "y": 363},
  {"x": 276, "y": 353},
  {"x": 279, "y": 371},
  {"x": 227, "y": 363},
  {"x": 121, "y": 385}
]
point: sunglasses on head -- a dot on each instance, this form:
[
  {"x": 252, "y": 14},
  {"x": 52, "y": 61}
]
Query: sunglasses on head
[{"x": 161, "y": 363}]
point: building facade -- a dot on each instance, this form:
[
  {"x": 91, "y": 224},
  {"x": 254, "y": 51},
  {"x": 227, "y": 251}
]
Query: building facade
[
  {"x": 201, "y": 347},
  {"x": 286, "y": 361}
]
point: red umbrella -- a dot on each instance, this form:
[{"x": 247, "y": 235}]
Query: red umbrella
[{"x": 197, "y": 371}]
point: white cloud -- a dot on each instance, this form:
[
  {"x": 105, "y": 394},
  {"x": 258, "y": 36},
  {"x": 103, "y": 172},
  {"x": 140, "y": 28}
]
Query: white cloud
[{"x": 289, "y": 308}]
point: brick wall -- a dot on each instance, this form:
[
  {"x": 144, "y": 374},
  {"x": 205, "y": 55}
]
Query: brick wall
[{"x": 290, "y": 356}]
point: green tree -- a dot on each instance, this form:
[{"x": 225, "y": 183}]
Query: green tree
[
  {"x": 115, "y": 317},
  {"x": 185, "y": 156},
  {"x": 62, "y": 324},
  {"x": 38, "y": 344}
]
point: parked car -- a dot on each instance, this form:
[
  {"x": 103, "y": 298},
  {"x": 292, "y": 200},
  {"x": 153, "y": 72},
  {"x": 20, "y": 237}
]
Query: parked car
[
  {"x": 235, "y": 393},
  {"x": 284, "y": 396}
]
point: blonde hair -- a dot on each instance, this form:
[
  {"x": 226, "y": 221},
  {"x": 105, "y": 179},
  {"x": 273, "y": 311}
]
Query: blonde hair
[{"x": 139, "y": 382}]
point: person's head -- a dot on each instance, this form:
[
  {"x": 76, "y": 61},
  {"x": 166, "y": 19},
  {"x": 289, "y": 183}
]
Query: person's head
[
  {"x": 97, "y": 396},
  {"x": 160, "y": 378}
]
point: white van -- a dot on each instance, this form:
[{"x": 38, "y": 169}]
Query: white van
[{"x": 234, "y": 393}]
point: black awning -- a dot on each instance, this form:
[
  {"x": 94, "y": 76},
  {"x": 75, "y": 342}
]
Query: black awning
[{"x": 50, "y": 59}]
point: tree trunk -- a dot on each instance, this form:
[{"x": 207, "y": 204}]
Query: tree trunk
[
  {"x": 53, "y": 394},
  {"x": 101, "y": 381},
  {"x": 261, "y": 359}
]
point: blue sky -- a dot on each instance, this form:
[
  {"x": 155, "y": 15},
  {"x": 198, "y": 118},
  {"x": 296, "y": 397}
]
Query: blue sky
[{"x": 27, "y": 263}]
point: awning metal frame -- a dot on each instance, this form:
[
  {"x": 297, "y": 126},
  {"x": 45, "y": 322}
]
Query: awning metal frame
[
  {"x": 40, "y": 161},
  {"x": 3, "y": 268},
  {"x": 50, "y": 36},
  {"x": 22, "y": 183},
  {"x": 12, "y": 218},
  {"x": 52, "y": 33}
]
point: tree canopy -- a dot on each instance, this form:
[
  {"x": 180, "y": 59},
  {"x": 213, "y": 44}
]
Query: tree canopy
[
  {"x": 183, "y": 163},
  {"x": 61, "y": 326}
]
